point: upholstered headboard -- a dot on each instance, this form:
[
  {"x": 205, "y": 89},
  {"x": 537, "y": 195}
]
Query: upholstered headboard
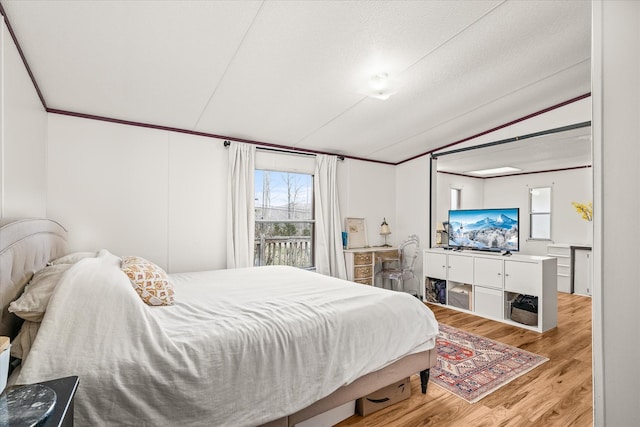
[{"x": 26, "y": 245}]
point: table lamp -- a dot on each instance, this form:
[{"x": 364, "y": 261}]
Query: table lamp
[{"x": 385, "y": 231}]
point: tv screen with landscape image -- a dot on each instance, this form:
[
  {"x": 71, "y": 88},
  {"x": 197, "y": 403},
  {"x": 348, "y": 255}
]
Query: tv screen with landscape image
[{"x": 484, "y": 229}]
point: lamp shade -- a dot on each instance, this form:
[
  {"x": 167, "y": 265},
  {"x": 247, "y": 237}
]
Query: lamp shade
[{"x": 384, "y": 228}]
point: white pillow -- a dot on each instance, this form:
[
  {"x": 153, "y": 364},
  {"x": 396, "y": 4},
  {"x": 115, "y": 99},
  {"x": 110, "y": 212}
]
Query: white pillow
[
  {"x": 34, "y": 300},
  {"x": 72, "y": 258}
]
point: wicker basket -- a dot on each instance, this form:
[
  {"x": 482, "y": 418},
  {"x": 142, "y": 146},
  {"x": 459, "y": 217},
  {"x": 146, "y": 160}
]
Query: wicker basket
[{"x": 523, "y": 316}]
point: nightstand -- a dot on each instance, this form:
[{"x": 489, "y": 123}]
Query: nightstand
[
  {"x": 65, "y": 389},
  {"x": 62, "y": 414}
]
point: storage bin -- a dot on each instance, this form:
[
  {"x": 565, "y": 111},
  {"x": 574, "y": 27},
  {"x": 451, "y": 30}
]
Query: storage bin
[
  {"x": 523, "y": 316},
  {"x": 461, "y": 296},
  {"x": 524, "y": 309}
]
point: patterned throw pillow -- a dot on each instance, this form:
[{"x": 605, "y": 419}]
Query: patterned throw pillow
[{"x": 150, "y": 281}]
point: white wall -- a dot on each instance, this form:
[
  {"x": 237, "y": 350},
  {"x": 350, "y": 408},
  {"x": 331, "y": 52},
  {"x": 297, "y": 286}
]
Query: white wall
[
  {"x": 566, "y": 187},
  {"x": 412, "y": 204},
  {"x": 616, "y": 298},
  {"x": 138, "y": 191},
  {"x": 162, "y": 195},
  {"x": 197, "y": 203},
  {"x": 472, "y": 194},
  {"x": 367, "y": 190},
  {"x": 23, "y": 124}
]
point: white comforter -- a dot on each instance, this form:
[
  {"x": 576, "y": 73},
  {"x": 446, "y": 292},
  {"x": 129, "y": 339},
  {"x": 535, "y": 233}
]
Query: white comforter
[{"x": 239, "y": 347}]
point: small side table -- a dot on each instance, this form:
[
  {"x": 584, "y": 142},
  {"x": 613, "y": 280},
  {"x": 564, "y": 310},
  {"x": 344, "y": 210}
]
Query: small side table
[
  {"x": 65, "y": 389},
  {"x": 62, "y": 415}
]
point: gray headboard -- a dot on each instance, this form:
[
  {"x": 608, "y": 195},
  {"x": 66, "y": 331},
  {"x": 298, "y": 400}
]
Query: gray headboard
[{"x": 26, "y": 245}]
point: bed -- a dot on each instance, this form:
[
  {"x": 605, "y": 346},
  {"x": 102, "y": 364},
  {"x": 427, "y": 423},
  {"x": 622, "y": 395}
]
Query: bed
[{"x": 269, "y": 346}]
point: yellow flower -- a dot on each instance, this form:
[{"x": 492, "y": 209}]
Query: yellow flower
[{"x": 585, "y": 210}]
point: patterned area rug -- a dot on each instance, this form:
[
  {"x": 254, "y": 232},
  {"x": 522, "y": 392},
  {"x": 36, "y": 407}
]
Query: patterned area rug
[{"x": 471, "y": 366}]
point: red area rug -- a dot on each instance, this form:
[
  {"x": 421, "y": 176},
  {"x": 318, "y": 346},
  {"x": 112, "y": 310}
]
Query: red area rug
[{"x": 471, "y": 366}]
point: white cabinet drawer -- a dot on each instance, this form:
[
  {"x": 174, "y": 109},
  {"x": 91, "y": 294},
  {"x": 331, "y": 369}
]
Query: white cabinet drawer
[
  {"x": 559, "y": 250},
  {"x": 488, "y": 272},
  {"x": 522, "y": 277},
  {"x": 564, "y": 284},
  {"x": 564, "y": 270},
  {"x": 460, "y": 268},
  {"x": 488, "y": 302},
  {"x": 435, "y": 265}
]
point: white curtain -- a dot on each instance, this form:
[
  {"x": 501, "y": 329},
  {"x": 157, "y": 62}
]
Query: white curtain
[
  {"x": 329, "y": 256},
  {"x": 240, "y": 207}
]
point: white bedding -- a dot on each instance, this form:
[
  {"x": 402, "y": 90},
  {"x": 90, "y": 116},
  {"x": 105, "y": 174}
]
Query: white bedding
[{"x": 239, "y": 347}]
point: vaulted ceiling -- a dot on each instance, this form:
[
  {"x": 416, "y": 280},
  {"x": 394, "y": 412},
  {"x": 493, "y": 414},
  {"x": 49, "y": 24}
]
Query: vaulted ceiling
[{"x": 297, "y": 73}]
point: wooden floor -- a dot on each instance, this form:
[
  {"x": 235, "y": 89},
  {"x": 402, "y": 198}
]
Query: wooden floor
[{"x": 557, "y": 393}]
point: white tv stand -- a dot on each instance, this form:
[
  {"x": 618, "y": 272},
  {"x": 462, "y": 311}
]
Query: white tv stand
[{"x": 492, "y": 281}]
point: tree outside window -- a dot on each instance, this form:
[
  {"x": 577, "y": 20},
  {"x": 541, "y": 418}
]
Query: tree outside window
[{"x": 284, "y": 219}]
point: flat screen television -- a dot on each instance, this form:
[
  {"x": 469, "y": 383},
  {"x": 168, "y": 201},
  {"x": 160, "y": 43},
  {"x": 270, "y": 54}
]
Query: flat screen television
[{"x": 484, "y": 229}]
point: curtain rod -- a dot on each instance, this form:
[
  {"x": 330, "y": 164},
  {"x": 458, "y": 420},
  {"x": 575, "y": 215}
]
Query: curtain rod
[
  {"x": 281, "y": 150},
  {"x": 435, "y": 155}
]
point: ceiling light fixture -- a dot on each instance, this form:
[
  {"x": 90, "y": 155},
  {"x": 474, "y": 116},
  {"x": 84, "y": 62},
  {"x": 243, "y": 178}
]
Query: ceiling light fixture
[
  {"x": 380, "y": 86},
  {"x": 504, "y": 169},
  {"x": 379, "y": 81}
]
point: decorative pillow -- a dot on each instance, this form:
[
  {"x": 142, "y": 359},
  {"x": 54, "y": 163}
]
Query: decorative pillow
[
  {"x": 72, "y": 258},
  {"x": 150, "y": 281},
  {"x": 34, "y": 300}
]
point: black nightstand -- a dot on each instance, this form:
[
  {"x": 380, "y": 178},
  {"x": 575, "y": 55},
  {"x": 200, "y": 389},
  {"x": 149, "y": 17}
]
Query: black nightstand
[
  {"x": 25, "y": 404},
  {"x": 65, "y": 389}
]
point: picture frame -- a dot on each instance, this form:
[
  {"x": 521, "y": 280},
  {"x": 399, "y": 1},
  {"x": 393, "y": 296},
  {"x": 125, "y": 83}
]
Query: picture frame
[{"x": 356, "y": 233}]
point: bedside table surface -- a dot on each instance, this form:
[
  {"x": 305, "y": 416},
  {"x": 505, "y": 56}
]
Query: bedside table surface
[{"x": 65, "y": 389}]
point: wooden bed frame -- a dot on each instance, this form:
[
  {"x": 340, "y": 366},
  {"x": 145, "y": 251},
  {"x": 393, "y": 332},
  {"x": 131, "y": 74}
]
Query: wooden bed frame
[{"x": 26, "y": 245}]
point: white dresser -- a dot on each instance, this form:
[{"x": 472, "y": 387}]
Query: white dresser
[
  {"x": 493, "y": 282},
  {"x": 574, "y": 267},
  {"x": 562, "y": 252}
]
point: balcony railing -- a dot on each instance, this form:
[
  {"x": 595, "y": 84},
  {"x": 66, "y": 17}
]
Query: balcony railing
[{"x": 294, "y": 251}]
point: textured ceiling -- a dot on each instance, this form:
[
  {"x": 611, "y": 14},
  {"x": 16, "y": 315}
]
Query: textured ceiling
[{"x": 293, "y": 73}]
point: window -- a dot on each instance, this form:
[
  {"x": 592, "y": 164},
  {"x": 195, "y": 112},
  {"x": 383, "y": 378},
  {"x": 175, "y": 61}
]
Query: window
[
  {"x": 540, "y": 213},
  {"x": 284, "y": 219},
  {"x": 456, "y": 194}
]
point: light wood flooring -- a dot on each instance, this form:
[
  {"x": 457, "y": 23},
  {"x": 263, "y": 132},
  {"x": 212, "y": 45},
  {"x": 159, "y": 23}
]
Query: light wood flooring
[{"x": 557, "y": 393}]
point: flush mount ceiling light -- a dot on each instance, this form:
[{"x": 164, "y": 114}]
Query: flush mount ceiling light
[
  {"x": 379, "y": 81},
  {"x": 504, "y": 169},
  {"x": 380, "y": 86}
]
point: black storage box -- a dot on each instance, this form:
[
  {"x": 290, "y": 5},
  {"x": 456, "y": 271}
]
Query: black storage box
[{"x": 524, "y": 309}]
